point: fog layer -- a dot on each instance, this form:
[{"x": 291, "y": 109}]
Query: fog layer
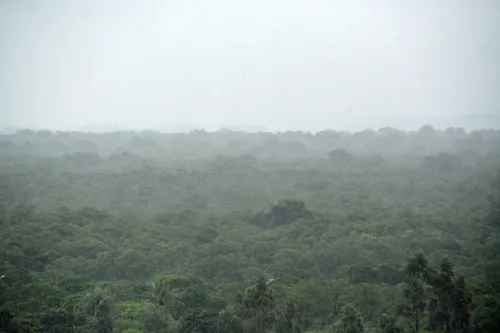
[{"x": 277, "y": 65}]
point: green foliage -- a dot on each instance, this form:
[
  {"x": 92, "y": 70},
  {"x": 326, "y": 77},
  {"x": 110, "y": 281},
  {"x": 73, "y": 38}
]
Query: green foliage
[
  {"x": 96, "y": 310},
  {"x": 389, "y": 324},
  {"x": 288, "y": 320},
  {"x": 258, "y": 305},
  {"x": 417, "y": 273},
  {"x": 200, "y": 321},
  {"x": 177, "y": 293},
  {"x": 486, "y": 313},
  {"x": 350, "y": 321},
  {"x": 282, "y": 213},
  {"x": 150, "y": 232}
]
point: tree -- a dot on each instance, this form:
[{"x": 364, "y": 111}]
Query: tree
[
  {"x": 449, "y": 308},
  {"x": 350, "y": 321},
  {"x": 178, "y": 293},
  {"x": 388, "y": 324},
  {"x": 156, "y": 318},
  {"x": 426, "y": 131},
  {"x": 283, "y": 212},
  {"x": 462, "y": 301},
  {"x": 493, "y": 215},
  {"x": 444, "y": 289},
  {"x": 486, "y": 315},
  {"x": 415, "y": 294},
  {"x": 287, "y": 322},
  {"x": 442, "y": 162},
  {"x": 340, "y": 155},
  {"x": 417, "y": 273},
  {"x": 96, "y": 309},
  {"x": 200, "y": 321},
  {"x": 259, "y": 304}
]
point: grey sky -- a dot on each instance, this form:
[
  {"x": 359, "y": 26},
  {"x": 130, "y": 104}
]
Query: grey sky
[{"x": 279, "y": 63}]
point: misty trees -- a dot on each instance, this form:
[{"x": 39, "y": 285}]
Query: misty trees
[
  {"x": 462, "y": 306},
  {"x": 168, "y": 207},
  {"x": 97, "y": 309},
  {"x": 288, "y": 321},
  {"x": 258, "y": 304},
  {"x": 486, "y": 314},
  {"x": 446, "y": 297},
  {"x": 177, "y": 293},
  {"x": 426, "y": 131},
  {"x": 201, "y": 321},
  {"x": 493, "y": 214},
  {"x": 388, "y": 324},
  {"x": 442, "y": 162},
  {"x": 441, "y": 304},
  {"x": 451, "y": 303},
  {"x": 283, "y": 212},
  {"x": 84, "y": 159},
  {"x": 350, "y": 321},
  {"x": 340, "y": 155},
  {"x": 417, "y": 274}
]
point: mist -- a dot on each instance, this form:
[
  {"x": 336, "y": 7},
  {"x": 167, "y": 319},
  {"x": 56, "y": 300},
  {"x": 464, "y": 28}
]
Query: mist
[
  {"x": 254, "y": 65},
  {"x": 259, "y": 166}
]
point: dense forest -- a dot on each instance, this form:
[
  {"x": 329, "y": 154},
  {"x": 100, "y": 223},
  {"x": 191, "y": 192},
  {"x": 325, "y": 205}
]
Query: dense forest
[{"x": 375, "y": 231}]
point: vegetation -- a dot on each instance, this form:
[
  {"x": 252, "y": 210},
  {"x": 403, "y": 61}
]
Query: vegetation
[{"x": 376, "y": 231}]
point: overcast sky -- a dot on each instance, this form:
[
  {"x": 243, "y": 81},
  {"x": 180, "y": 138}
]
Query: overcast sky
[{"x": 282, "y": 64}]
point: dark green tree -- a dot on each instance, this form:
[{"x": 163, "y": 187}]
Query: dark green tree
[
  {"x": 287, "y": 323},
  {"x": 200, "y": 321},
  {"x": 96, "y": 309},
  {"x": 230, "y": 322},
  {"x": 417, "y": 273},
  {"x": 350, "y": 320},
  {"x": 259, "y": 304},
  {"x": 486, "y": 315},
  {"x": 283, "y": 212},
  {"x": 388, "y": 324},
  {"x": 462, "y": 303},
  {"x": 443, "y": 300}
]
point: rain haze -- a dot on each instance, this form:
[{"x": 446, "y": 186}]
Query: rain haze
[
  {"x": 258, "y": 166},
  {"x": 274, "y": 65}
]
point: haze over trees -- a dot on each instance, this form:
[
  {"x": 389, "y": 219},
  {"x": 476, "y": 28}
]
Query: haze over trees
[
  {"x": 228, "y": 231},
  {"x": 168, "y": 167}
]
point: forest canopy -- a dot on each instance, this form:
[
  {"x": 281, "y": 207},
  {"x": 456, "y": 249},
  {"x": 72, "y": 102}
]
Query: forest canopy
[{"x": 228, "y": 231}]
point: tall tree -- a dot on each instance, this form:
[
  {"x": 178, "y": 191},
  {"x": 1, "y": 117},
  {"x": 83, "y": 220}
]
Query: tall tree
[
  {"x": 288, "y": 320},
  {"x": 462, "y": 301},
  {"x": 259, "y": 304},
  {"x": 96, "y": 308},
  {"x": 417, "y": 273},
  {"x": 444, "y": 289},
  {"x": 350, "y": 321}
]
